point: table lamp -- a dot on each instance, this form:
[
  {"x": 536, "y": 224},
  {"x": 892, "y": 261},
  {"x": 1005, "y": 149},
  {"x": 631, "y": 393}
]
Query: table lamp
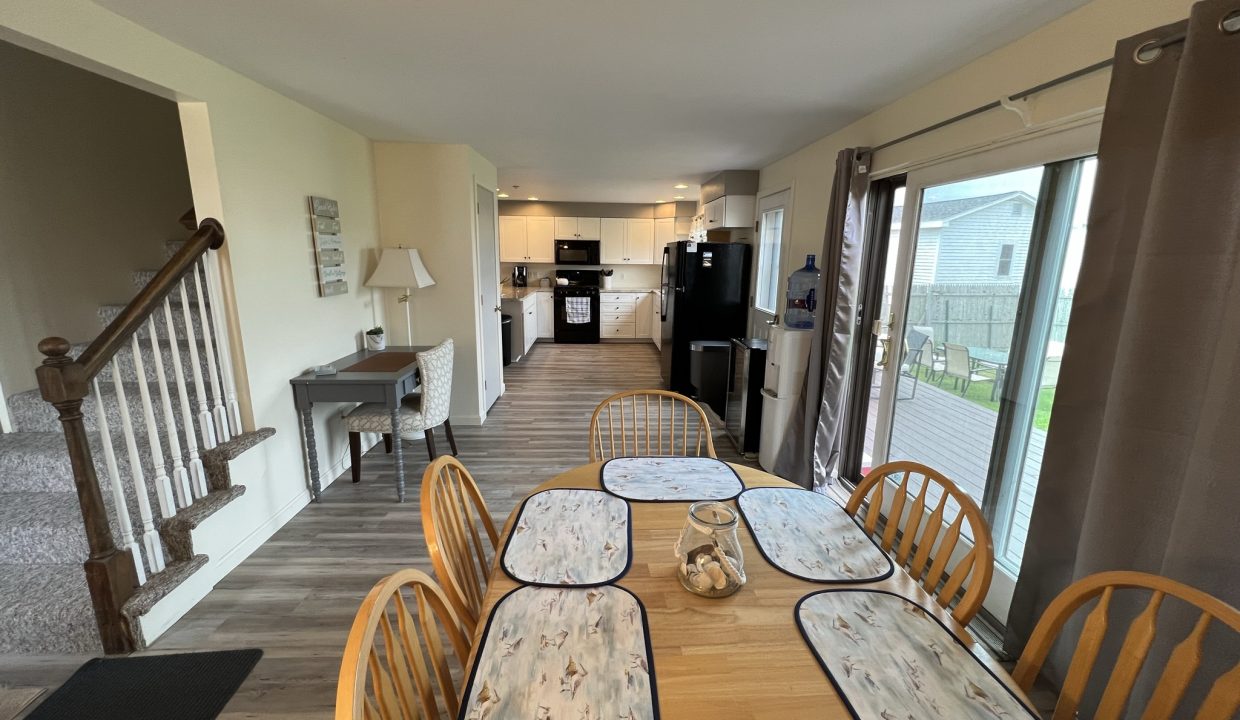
[{"x": 401, "y": 268}]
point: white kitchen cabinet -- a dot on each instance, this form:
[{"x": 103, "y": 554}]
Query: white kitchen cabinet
[
  {"x": 641, "y": 313},
  {"x": 588, "y": 228},
  {"x": 639, "y": 241},
  {"x": 530, "y": 324},
  {"x": 664, "y": 232},
  {"x": 546, "y": 315},
  {"x": 729, "y": 211},
  {"x": 540, "y": 239},
  {"x": 512, "y": 244},
  {"x": 611, "y": 245},
  {"x": 566, "y": 228}
]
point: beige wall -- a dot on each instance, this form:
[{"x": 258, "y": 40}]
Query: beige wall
[
  {"x": 92, "y": 183},
  {"x": 269, "y": 153},
  {"x": 426, "y": 201},
  {"x": 1076, "y": 40}
]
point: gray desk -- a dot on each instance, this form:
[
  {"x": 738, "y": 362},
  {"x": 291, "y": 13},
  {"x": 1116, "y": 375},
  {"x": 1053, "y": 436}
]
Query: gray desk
[{"x": 384, "y": 376}]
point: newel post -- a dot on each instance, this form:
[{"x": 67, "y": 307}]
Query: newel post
[{"x": 110, "y": 572}]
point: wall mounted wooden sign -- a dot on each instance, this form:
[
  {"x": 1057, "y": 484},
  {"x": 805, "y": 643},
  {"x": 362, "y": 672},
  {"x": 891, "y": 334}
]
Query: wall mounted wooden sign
[{"x": 328, "y": 246}]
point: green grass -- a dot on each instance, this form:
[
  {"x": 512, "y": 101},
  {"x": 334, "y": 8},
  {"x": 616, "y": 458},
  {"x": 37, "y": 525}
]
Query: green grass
[{"x": 979, "y": 394}]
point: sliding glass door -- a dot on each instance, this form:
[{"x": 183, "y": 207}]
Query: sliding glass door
[{"x": 976, "y": 291}]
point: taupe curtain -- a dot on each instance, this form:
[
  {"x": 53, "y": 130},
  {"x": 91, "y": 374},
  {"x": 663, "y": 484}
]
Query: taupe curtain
[
  {"x": 812, "y": 443},
  {"x": 1142, "y": 463}
]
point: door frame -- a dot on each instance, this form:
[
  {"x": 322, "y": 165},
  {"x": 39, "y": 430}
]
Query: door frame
[
  {"x": 1040, "y": 150},
  {"x": 490, "y": 331}
]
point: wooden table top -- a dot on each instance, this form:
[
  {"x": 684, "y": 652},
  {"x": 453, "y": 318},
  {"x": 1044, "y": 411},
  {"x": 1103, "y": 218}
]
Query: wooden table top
[{"x": 739, "y": 657}]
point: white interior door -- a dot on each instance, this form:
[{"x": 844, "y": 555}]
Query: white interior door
[
  {"x": 774, "y": 216},
  {"x": 490, "y": 347}
]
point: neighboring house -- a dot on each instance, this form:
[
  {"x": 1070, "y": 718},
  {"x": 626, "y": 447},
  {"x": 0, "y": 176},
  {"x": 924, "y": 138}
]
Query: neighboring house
[{"x": 973, "y": 240}]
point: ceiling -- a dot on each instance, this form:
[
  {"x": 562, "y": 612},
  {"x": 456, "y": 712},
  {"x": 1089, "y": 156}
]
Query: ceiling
[{"x": 596, "y": 101}]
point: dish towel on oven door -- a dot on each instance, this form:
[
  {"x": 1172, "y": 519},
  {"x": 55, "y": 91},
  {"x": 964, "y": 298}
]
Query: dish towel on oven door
[{"x": 577, "y": 310}]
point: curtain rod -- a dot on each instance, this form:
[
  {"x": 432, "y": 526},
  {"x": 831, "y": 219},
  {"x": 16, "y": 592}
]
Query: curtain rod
[{"x": 996, "y": 104}]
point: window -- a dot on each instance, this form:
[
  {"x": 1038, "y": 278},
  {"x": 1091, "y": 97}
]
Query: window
[
  {"x": 1005, "y": 260},
  {"x": 770, "y": 239}
]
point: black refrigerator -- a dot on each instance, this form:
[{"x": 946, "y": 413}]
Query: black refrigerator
[{"x": 705, "y": 296}]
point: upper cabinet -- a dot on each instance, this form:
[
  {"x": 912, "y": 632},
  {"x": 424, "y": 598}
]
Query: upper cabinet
[
  {"x": 577, "y": 228},
  {"x": 729, "y": 211},
  {"x": 611, "y": 245},
  {"x": 664, "y": 231},
  {"x": 526, "y": 239}
]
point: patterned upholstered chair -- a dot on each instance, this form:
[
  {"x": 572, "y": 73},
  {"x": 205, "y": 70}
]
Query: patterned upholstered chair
[{"x": 420, "y": 412}]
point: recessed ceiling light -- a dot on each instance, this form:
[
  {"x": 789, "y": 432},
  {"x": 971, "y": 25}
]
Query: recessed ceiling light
[
  {"x": 532, "y": 198},
  {"x": 502, "y": 195},
  {"x": 660, "y": 201},
  {"x": 681, "y": 186},
  {"x": 679, "y": 197}
]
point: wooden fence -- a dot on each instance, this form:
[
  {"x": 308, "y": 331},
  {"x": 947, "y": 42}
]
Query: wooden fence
[{"x": 976, "y": 314}]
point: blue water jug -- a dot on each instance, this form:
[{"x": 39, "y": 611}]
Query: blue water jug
[{"x": 802, "y": 291}]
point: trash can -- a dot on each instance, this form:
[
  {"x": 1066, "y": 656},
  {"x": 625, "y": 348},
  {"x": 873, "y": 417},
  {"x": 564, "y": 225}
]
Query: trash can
[
  {"x": 708, "y": 372},
  {"x": 505, "y": 333}
]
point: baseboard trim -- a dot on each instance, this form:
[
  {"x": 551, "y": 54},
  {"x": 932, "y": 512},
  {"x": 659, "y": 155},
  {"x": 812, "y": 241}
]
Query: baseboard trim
[{"x": 185, "y": 596}]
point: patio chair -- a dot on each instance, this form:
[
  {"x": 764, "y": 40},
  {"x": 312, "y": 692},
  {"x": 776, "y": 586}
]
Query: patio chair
[
  {"x": 959, "y": 366},
  {"x": 931, "y": 357}
]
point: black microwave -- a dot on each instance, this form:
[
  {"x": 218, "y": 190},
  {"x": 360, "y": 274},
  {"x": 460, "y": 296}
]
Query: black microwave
[{"x": 576, "y": 252}]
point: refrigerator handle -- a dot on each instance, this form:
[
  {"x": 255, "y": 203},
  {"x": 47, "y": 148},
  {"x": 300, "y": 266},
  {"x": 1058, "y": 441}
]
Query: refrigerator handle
[{"x": 664, "y": 286}]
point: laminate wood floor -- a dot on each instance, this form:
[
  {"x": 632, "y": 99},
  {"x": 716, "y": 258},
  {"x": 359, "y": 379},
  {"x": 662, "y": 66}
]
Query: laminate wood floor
[{"x": 295, "y": 597}]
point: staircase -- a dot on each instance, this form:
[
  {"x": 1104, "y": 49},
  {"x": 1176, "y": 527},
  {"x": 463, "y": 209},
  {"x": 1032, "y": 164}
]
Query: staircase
[{"x": 160, "y": 424}]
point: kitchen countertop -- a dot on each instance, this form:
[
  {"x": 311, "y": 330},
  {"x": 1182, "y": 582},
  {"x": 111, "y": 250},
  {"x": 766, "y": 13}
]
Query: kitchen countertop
[{"x": 507, "y": 292}]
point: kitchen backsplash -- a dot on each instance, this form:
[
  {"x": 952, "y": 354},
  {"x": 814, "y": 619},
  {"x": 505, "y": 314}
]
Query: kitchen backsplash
[{"x": 638, "y": 277}]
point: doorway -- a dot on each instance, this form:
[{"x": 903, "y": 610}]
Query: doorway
[
  {"x": 774, "y": 220},
  {"x": 491, "y": 349}
]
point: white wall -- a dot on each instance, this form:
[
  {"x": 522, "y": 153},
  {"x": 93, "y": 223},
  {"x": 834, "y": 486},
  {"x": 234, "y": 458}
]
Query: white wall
[
  {"x": 426, "y": 201},
  {"x": 268, "y": 154},
  {"x": 1076, "y": 40},
  {"x": 92, "y": 182}
]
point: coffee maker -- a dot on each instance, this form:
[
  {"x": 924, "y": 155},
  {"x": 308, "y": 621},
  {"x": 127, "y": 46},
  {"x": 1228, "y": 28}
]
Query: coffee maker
[{"x": 520, "y": 276}]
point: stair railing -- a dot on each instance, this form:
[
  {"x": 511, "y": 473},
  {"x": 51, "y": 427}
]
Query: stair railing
[{"x": 114, "y": 573}]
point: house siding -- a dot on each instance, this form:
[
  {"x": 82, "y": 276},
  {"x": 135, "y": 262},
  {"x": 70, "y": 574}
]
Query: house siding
[{"x": 969, "y": 246}]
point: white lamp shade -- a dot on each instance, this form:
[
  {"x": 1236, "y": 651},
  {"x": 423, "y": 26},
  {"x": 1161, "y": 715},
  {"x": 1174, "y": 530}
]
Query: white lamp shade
[{"x": 400, "y": 268}]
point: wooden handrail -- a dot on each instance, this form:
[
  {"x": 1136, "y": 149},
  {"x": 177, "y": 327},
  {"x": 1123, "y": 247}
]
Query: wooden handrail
[
  {"x": 210, "y": 236},
  {"x": 65, "y": 382}
]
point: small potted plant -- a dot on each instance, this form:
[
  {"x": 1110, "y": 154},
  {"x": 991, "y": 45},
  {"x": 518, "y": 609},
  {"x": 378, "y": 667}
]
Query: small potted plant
[
  {"x": 375, "y": 339},
  {"x": 607, "y": 273}
]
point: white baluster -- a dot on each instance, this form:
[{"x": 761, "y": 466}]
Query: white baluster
[
  {"x": 118, "y": 488},
  {"x": 180, "y": 476},
  {"x": 150, "y": 537},
  {"x": 197, "y": 476},
  {"x": 223, "y": 344},
  {"x": 219, "y": 414},
  {"x": 163, "y": 487},
  {"x": 206, "y": 425}
]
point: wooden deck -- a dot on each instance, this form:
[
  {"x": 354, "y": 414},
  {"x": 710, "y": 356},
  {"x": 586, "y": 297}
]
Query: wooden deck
[{"x": 943, "y": 430}]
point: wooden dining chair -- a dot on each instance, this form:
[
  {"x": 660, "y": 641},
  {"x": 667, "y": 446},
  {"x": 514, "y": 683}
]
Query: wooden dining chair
[
  {"x": 452, "y": 513},
  {"x": 924, "y": 545},
  {"x": 1223, "y": 698},
  {"x": 395, "y": 665},
  {"x": 649, "y": 422}
]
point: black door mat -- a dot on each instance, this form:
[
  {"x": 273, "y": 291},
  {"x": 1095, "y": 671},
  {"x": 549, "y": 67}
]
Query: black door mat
[{"x": 186, "y": 686}]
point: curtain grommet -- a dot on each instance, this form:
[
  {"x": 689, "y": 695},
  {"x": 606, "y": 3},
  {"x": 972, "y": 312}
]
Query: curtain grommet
[
  {"x": 1230, "y": 23},
  {"x": 1147, "y": 52}
]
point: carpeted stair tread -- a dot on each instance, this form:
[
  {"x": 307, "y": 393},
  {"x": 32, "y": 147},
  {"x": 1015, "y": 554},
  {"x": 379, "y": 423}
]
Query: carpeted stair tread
[
  {"x": 129, "y": 371},
  {"x": 34, "y": 462},
  {"x": 47, "y": 610},
  {"x": 108, "y": 313},
  {"x": 31, "y": 413},
  {"x": 41, "y": 528}
]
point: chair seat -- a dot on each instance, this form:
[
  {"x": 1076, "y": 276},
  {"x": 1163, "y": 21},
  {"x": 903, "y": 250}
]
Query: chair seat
[{"x": 377, "y": 418}]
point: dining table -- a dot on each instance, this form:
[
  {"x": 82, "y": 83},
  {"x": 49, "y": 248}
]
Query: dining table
[{"x": 742, "y": 656}]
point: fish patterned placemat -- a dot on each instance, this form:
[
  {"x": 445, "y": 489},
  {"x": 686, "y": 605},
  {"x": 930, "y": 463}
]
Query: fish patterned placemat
[
  {"x": 810, "y": 537},
  {"x": 670, "y": 479},
  {"x": 889, "y": 658},
  {"x": 569, "y": 537},
  {"x": 564, "y": 653}
]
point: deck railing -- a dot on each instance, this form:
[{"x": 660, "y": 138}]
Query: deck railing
[{"x": 148, "y": 445}]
